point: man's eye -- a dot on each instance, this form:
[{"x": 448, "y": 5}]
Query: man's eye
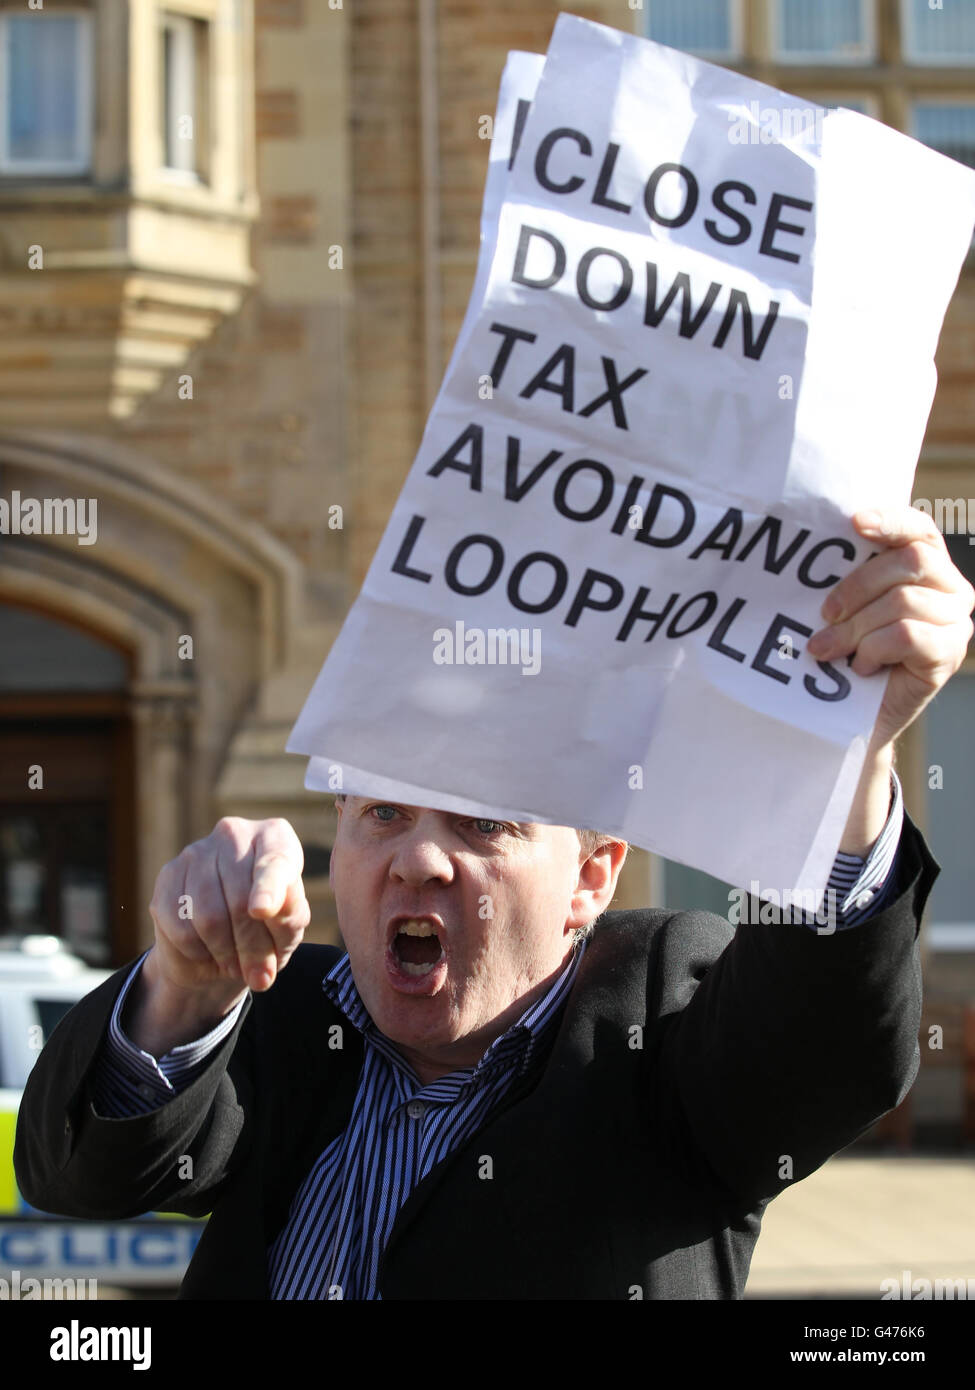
[
  {"x": 378, "y": 812},
  {"x": 487, "y": 827}
]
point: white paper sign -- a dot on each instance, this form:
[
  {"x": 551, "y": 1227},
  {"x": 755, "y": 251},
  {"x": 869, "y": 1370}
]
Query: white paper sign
[{"x": 690, "y": 356}]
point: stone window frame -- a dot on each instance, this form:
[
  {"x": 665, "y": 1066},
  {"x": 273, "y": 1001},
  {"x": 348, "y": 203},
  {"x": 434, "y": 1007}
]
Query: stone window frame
[{"x": 224, "y": 178}]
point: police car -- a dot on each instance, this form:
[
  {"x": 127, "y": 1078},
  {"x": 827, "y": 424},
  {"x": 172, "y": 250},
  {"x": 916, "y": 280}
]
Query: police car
[{"x": 39, "y": 982}]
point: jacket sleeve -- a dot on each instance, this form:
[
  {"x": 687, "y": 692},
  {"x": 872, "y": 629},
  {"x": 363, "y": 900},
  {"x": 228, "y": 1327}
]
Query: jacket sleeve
[
  {"x": 791, "y": 1043},
  {"x": 127, "y": 1081},
  {"x": 71, "y": 1161}
]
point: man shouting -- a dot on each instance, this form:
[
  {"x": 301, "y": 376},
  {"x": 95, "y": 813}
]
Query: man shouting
[{"x": 485, "y": 1098}]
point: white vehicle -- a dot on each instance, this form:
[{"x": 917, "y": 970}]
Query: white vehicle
[{"x": 39, "y": 982}]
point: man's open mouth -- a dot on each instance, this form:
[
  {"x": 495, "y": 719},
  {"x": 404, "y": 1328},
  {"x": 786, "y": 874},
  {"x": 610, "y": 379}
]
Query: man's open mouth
[{"x": 416, "y": 946}]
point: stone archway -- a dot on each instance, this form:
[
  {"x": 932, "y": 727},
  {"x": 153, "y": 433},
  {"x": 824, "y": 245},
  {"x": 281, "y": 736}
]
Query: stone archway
[{"x": 203, "y": 603}]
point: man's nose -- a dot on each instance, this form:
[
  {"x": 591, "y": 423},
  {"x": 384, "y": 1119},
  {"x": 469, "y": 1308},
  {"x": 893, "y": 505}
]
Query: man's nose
[{"x": 422, "y": 854}]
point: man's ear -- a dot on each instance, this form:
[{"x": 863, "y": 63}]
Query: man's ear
[{"x": 596, "y": 884}]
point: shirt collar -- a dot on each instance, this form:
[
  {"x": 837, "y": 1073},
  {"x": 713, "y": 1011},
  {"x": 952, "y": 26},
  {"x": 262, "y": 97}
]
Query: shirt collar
[{"x": 514, "y": 1049}]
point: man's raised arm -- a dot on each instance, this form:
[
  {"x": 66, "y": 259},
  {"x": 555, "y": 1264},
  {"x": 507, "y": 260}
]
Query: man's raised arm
[
  {"x": 229, "y": 912},
  {"x": 795, "y": 1041}
]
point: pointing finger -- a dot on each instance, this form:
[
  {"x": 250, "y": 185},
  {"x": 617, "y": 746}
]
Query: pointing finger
[
  {"x": 274, "y": 874},
  {"x": 278, "y": 862}
]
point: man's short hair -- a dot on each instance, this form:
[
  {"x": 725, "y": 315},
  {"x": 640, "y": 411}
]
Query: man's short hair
[{"x": 591, "y": 840}]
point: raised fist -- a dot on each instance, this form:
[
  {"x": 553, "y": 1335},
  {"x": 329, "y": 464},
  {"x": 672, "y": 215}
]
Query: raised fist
[{"x": 230, "y": 910}]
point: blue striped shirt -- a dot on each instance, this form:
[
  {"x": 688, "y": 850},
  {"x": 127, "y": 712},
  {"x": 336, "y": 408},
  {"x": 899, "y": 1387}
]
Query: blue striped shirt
[
  {"x": 344, "y": 1211},
  {"x": 342, "y": 1216}
]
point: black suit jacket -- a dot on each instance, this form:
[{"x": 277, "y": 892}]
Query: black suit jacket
[{"x": 696, "y": 1071}]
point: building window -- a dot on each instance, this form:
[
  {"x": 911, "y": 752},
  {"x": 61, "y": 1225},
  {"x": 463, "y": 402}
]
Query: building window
[
  {"x": 948, "y": 126},
  {"x": 942, "y": 36},
  {"x": 45, "y": 82},
  {"x": 866, "y": 105},
  {"x": 55, "y": 874},
  {"x": 183, "y": 86},
  {"x": 831, "y": 31},
  {"x": 710, "y": 28}
]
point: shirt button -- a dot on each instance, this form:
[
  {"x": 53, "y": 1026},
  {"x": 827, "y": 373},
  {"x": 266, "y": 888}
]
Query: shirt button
[
  {"x": 416, "y": 1110},
  {"x": 145, "y": 1091},
  {"x": 67, "y": 1126},
  {"x": 865, "y": 899}
]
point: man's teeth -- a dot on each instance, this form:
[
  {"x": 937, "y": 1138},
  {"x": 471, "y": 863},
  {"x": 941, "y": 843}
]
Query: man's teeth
[{"x": 417, "y": 927}]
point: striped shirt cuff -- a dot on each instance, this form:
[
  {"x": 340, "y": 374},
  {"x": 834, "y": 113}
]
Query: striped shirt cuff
[
  {"x": 131, "y": 1082},
  {"x": 863, "y": 887}
]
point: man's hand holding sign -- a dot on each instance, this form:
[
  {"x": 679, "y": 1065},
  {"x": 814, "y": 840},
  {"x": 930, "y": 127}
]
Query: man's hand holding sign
[
  {"x": 651, "y": 443},
  {"x": 908, "y": 608}
]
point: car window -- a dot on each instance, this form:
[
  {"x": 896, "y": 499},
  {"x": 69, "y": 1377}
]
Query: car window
[{"x": 50, "y": 1013}]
